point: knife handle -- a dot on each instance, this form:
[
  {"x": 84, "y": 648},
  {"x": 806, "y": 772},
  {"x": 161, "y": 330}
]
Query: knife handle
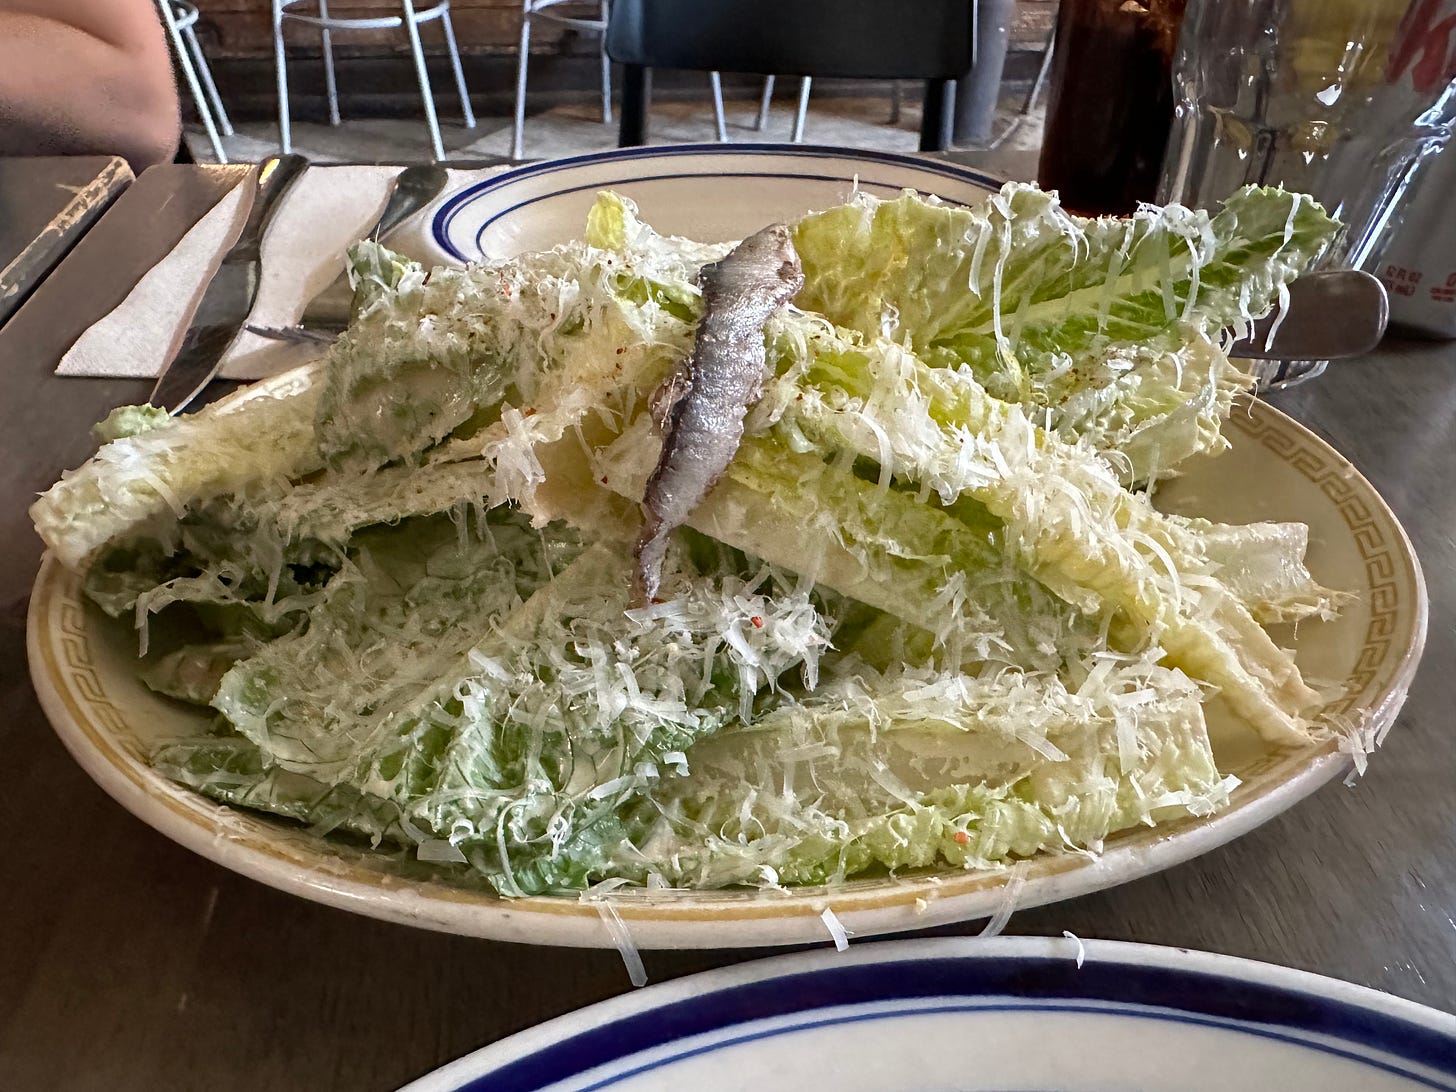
[{"x": 275, "y": 175}]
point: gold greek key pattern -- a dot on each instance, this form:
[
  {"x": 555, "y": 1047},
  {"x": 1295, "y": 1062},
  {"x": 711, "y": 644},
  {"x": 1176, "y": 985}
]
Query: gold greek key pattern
[
  {"x": 1389, "y": 582},
  {"x": 75, "y": 641}
]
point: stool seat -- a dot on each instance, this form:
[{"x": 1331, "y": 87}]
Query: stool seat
[{"x": 362, "y": 22}]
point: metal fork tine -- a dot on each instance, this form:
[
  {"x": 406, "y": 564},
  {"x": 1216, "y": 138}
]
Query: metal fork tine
[{"x": 297, "y": 335}]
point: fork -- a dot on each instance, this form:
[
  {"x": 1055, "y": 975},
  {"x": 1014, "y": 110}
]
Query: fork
[{"x": 328, "y": 313}]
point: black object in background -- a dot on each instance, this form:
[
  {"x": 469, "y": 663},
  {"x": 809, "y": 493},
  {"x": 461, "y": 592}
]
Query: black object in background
[{"x": 865, "y": 39}]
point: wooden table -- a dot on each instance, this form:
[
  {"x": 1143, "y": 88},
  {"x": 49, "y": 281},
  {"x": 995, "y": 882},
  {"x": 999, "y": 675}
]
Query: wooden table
[
  {"x": 46, "y": 205},
  {"x": 129, "y": 963}
]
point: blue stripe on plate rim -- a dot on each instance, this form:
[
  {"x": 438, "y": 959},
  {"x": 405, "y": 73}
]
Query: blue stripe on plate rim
[
  {"x": 491, "y": 1082},
  {"x": 1007, "y": 974},
  {"x": 440, "y": 225}
]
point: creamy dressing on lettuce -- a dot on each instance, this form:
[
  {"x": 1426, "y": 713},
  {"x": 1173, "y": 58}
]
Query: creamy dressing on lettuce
[{"x": 923, "y": 621}]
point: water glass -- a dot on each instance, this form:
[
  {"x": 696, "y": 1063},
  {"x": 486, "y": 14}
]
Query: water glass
[{"x": 1341, "y": 99}]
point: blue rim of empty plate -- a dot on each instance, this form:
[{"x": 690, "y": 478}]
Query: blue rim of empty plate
[
  {"x": 1005, "y": 974},
  {"x": 440, "y": 225}
]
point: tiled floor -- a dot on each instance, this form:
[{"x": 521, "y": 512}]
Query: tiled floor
[{"x": 857, "y": 122}]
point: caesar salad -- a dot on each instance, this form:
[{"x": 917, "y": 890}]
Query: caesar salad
[{"x": 648, "y": 562}]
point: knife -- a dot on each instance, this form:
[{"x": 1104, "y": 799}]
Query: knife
[{"x": 230, "y": 294}]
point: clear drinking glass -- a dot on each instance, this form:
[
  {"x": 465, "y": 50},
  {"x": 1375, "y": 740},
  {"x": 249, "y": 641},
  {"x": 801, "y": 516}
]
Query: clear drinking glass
[{"x": 1341, "y": 99}]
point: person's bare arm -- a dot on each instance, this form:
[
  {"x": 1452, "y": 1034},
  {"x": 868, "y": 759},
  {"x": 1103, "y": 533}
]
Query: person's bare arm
[{"x": 82, "y": 76}]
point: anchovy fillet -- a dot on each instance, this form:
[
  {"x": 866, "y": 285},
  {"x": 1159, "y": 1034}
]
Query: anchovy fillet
[{"x": 705, "y": 406}]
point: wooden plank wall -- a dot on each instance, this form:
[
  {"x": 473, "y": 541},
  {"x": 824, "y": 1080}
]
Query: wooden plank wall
[{"x": 244, "y": 28}]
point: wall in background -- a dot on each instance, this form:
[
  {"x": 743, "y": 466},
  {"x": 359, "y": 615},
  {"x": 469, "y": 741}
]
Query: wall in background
[
  {"x": 244, "y": 28},
  {"x": 375, "y": 77}
]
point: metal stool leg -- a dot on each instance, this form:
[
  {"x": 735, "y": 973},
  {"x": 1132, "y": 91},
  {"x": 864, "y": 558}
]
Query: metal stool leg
[
  {"x": 716, "y": 82},
  {"x": 204, "y": 73},
  {"x": 190, "y": 74},
  {"x": 803, "y": 113},
  {"x": 764, "y": 102},
  {"x": 327, "y": 40},
  {"x": 978, "y": 92},
  {"x": 937, "y": 115},
  {"x": 518, "y": 141},
  {"x": 606, "y": 72},
  {"x": 1042, "y": 71},
  {"x": 897, "y": 96},
  {"x": 459, "y": 71},
  {"x": 636, "y": 94},
  {"x": 412, "y": 28},
  {"x": 285, "y": 136}
]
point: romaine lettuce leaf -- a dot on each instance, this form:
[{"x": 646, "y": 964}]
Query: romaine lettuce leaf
[
  {"x": 1016, "y": 285},
  {"x": 436, "y": 359},
  {"x": 1263, "y": 565},
  {"x": 1146, "y": 409},
  {"x": 130, "y": 421},
  {"x": 378, "y": 275},
  {"x": 140, "y": 485},
  {"x": 229, "y": 768},
  {"x": 392, "y": 627},
  {"x": 951, "y": 574},
  {"x": 575, "y": 706},
  {"x": 461, "y": 687},
  {"x": 1047, "y": 308},
  {"x": 660, "y": 268},
  {"x": 1073, "y": 525},
  {"x": 193, "y": 672},
  {"x": 919, "y": 768}
]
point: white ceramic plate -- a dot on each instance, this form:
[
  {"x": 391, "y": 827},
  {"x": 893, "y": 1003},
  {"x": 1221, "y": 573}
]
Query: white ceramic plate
[
  {"x": 1014, "y": 1014},
  {"x": 84, "y": 668},
  {"x": 84, "y": 665},
  {"x": 709, "y": 192}
]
